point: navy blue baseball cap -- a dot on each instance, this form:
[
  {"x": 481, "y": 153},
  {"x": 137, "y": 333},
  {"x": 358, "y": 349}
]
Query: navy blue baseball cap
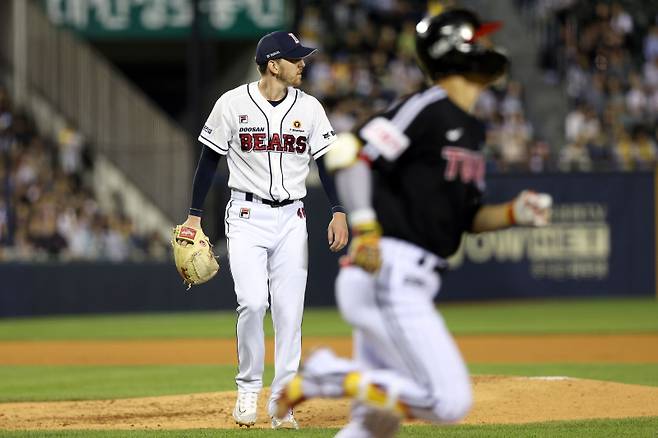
[{"x": 281, "y": 44}]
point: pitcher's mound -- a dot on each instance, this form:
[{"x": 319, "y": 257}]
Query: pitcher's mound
[{"x": 497, "y": 400}]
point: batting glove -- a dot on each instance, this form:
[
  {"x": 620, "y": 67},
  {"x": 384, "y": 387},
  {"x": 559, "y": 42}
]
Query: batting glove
[
  {"x": 530, "y": 209},
  {"x": 364, "y": 250}
]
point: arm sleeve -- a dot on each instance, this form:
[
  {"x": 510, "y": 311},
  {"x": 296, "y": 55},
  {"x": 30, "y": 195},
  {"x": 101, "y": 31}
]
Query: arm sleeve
[
  {"x": 216, "y": 132},
  {"x": 322, "y": 135},
  {"x": 203, "y": 178},
  {"x": 354, "y": 186},
  {"x": 329, "y": 187}
]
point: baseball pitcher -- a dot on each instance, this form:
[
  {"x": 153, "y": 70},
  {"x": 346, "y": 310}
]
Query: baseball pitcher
[{"x": 268, "y": 130}]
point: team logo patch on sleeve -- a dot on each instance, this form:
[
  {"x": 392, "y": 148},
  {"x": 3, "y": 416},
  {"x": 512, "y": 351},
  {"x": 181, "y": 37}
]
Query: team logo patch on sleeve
[
  {"x": 243, "y": 118},
  {"x": 385, "y": 137},
  {"x": 207, "y": 129},
  {"x": 245, "y": 212}
]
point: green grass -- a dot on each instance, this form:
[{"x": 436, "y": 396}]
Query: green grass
[
  {"x": 80, "y": 382},
  {"x": 317, "y": 322},
  {"x": 529, "y": 317},
  {"x": 637, "y": 374},
  {"x": 629, "y": 427},
  {"x": 554, "y": 316},
  {"x": 40, "y": 383}
]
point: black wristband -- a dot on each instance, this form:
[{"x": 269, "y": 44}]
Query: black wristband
[
  {"x": 338, "y": 209},
  {"x": 196, "y": 212}
]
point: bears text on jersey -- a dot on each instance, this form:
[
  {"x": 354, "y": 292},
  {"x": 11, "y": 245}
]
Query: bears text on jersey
[{"x": 286, "y": 143}]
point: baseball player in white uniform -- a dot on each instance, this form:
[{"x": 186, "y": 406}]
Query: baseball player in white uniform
[{"x": 268, "y": 130}]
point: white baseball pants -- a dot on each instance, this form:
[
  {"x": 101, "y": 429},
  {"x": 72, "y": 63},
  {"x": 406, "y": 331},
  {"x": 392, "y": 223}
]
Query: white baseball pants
[
  {"x": 400, "y": 340},
  {"x": 268, "y": 256}
]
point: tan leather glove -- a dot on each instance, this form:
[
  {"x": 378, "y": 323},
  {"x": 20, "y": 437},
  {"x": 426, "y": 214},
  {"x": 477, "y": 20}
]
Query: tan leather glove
[
  {"x": 193, "y": 255},
  {"x": 364, "y": 249}
]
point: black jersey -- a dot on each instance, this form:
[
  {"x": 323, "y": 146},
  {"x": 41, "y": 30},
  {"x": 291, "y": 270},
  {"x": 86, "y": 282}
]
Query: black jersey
[{"x": 428, "y": 171}]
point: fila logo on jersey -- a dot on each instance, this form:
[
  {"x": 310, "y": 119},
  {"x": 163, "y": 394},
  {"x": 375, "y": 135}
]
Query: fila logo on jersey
[
  {"x": 243, "y": 118},
  {"x": 468, "y": 165},
  {"x": 296, "y": 124},
  {"x": 286, "y": 143},
  {"x": 245, "y": 212}
]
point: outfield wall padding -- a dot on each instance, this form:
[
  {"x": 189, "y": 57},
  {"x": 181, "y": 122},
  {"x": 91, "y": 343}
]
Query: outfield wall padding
[{"x": 601, "y": 243}]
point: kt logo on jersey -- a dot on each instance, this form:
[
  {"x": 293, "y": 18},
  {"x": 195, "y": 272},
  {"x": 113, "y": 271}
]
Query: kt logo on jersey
[{"x": 254, "y": 139}]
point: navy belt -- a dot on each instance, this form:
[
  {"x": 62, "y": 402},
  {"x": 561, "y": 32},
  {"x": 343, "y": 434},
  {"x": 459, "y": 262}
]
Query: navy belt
[{"x": 274, "y": 204}]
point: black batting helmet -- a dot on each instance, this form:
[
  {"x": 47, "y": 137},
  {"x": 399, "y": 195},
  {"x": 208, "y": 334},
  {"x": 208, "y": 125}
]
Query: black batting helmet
[{"x": 448, "y": 44}]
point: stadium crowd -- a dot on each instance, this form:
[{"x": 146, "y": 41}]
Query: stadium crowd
[
  {"x": 367, "y": 62},
  {"x": 47, "y": 208},
  {"x": 605, "y": 55},
  {"x": 606, "y": 58}
]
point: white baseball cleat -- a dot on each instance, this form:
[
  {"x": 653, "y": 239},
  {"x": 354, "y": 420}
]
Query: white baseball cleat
[
  {"x": 286, "y": 422},
  {"x": 245, "y": 409}
]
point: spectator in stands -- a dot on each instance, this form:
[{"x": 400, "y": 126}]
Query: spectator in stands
[
  {"x": 575, "y": 156},
  {"x": 574, "y": 123},
  {"x": 619, "y": 65},
  {"x": 115, "y": 242},
  {"x": 4, "y": 224},
  {"x": 486, "y": 106},
  {"x": 636, "y": 98},
  {"x": 601, "y": 154},
  {"x": 5, "y": 110},
  {"x": 650, "y": 71},
  {"x": 637, "y": 151},
  {"x": 651, "y": 44},
  {"x": 540, "y": 157},
  {"x": 620, "y": 21},
  {"x": 70, "y": 143},
  {"x": 515, "y": 136},
  {"x": 577, "y": 78},
  {"x": 42, "y": 230},
  {"x": 595, "y": 94},
  {"x": 512, "y": 101}
]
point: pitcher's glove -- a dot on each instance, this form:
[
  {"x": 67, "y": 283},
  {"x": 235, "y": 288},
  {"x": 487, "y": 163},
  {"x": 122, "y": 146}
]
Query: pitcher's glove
[
  {"x": 364, "y": 250},
  {"x": 530, "y": 209},
  {"x": 193, "y": 255}
]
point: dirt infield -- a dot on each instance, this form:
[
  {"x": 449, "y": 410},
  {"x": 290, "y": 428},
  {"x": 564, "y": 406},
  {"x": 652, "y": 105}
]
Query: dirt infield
[
  {"x": 630, "y": 348},
  {"x": 497, "y": 400}
]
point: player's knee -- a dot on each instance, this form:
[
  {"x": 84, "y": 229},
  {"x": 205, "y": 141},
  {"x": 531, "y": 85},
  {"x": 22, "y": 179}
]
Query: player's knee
[
  {"x": 454, "y": 406},
  {"x": 252, "y": 306}
]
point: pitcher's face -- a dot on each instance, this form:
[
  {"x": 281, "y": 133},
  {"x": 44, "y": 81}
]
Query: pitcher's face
[{"x": 290, "y": 71}]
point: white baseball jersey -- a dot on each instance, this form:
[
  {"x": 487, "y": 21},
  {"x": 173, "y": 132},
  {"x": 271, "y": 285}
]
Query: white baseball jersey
[{"x": 268, "y": 147}]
